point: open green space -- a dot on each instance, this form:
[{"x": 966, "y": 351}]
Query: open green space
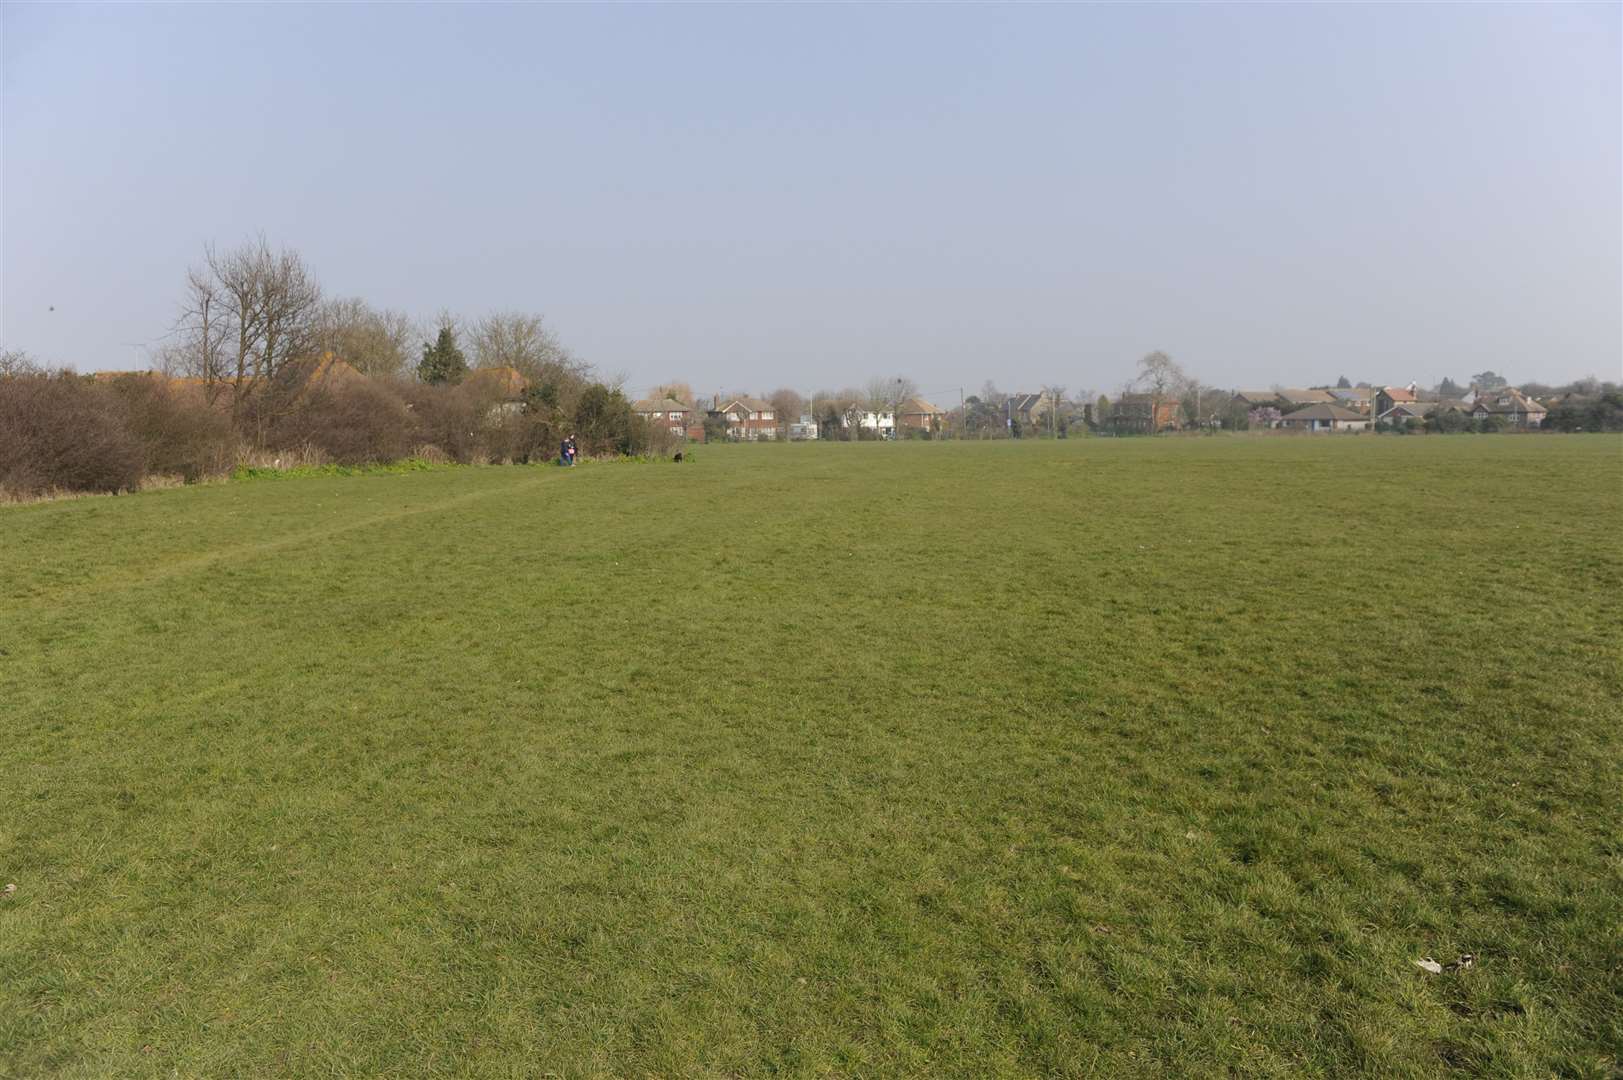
[{"x": 1098, "y": 757}]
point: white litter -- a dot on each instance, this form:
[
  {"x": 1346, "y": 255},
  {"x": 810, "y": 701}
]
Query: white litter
[{"x": 1428, "y": 964}]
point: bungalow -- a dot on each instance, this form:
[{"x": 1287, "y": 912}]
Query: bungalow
[
  {"x": 1510, "y": 404},
  {"x": 1324, "y": 418},
  {"x": 1256, "y": 399},
  {"x": 919, "y": 415},
  {"x": 748, "y": 419},
  {"x": 1404, "y": 411},
  {"x": 667, "y": 412},
  {"x": 1144, "y": 414}
]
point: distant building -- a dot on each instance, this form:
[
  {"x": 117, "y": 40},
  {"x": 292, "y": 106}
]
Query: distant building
[
  {"x": 1359, "y": 398},
  {"x": 1142, "y": 414},
  {"x": 919, "y": 415},
  {"x": 1257, "y": 399},
  {"x": 1388, "y": 396},
  {"x": 882, "y": 424},
  {"x": 674, "y": 415},
  {"x": 1293, "y": 398},
  {"x": 1404, "y": 411},
  {"x": 1511, "y": 405},
  {"x": 1324, "y": 418},
  {"x": 748, "y": 419},
  {"x": 804, "y": 429}
]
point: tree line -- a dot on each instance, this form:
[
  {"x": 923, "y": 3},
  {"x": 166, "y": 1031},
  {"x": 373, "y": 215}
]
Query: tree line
[{"x": 262, "y": 364}]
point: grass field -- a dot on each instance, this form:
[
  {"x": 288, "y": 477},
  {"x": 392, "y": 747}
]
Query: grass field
[{"x": 1097, "y": 757}]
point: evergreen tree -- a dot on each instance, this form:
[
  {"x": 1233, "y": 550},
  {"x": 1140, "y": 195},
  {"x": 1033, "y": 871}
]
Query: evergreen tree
[
  {"x": 443, "y": 361},
  {"x": 1343, "y": 383}
]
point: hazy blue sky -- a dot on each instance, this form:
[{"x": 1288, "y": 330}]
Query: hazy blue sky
[{"x": 749, "y": 196}]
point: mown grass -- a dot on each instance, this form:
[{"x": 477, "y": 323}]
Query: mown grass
[{"x": 1097, "y": 757}]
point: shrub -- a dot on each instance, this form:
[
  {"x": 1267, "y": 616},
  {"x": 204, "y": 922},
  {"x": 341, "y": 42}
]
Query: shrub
[
  {"x": 180, "y": 432},
  {"x": 60, "y": 432},
  {"x": 443, "y": 417},
  {"x": 353, "y": 423}
]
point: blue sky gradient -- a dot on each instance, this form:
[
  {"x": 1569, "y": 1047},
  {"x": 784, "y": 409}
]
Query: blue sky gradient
[{"x": 753, "y": 196}]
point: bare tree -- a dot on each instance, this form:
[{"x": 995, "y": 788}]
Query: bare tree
[
  {"x": 524, "y": 343},
  {"x": 787, "y": 405},
  {"x": 201, "y": 334},
  {"x": 268, "y": 301},
  {"x": 235, "y": 274},
  {"x": 677, "y": 389},
  {"x": 1161, "y": 377},
  {"x": 290, "y": 299},
  {"x": 16, "y": 362},
  {"x": 369, "y": 340},
  {"x": 1054, "y": 394}
]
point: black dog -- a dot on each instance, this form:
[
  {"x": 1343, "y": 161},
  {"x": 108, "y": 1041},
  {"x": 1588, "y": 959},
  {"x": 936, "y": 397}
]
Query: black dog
[{"x": 678, "y": 456}]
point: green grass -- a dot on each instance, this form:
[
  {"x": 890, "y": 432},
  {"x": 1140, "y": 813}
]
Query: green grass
[{"x": 1097, "y": 757}]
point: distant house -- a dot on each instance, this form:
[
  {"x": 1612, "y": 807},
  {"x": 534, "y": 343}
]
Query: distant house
[
  {"x": 1359, "y": 398},
  {"x": 1142, "y": 414},
  {"x": 1404, "y": 411},
  {"x": 674, "y": 415},
  {"x": 882, "y": 424},
  {"x": 919, "y": 415},
  {"x": 748, "y": 419},
  {"x": 1388, "y": 396},
  {"x": 804, "y": 429},
  {"x": 1256, "y": 399},
  {"x": 1324, "y": 418},
  {"x": 1511, "y": 405},
  {"x": 1293, "y": 398},
  {"x": 1029, "y": 409}
]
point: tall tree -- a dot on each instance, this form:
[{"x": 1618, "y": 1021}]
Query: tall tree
[
  {"x": 443, "y": 361},
  {"x": 1343, "y": 383},
  {"x": 1160, "y": 377}
]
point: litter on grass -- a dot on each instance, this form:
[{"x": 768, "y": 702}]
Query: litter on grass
[{"x": 1465, "y": 962}]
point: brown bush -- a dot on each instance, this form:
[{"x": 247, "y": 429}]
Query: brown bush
[
  {"x": 181, "y": 433},
  {"x": 353, "y": 423},
  {"x": 444, "y": 417},
  {"x": 61, "y": 433}
]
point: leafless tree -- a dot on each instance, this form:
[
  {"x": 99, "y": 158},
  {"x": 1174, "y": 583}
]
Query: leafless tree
[
  {"x": 677, "y": 389},
  {"x": 522, "y": 342},
  {"x": 1160, "y": 377},
  {"x": 16, "y": 362},
  {"x": 290, "y": 299},
  {"x": 267, "y": 303},
  {"x": 373, "y": 341},
  {"x": 201, "y": 333},
  {"x": 787, "y": 405},
  {"x": 1054, "y": 395}
]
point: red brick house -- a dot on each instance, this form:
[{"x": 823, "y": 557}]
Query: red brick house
[
  {"x": 1142, "y": 414},
  {"x": 920, "y": 415},
  {"x": 748, "y": 419},
  {"x": 669, "y": 413}
]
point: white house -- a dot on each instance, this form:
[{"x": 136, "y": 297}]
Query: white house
[{"x": 883, "y": 424}]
